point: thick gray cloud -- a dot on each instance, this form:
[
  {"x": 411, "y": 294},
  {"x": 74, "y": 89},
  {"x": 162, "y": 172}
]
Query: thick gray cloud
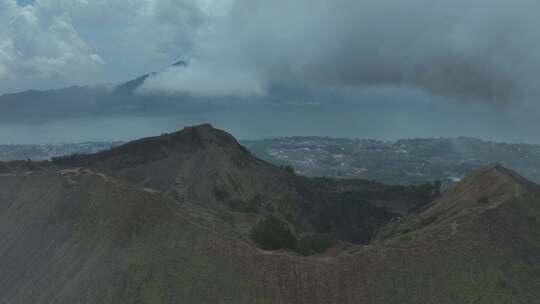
[
  {"x": 462, "y": 49},
  {"x": 467, "y": 49}
]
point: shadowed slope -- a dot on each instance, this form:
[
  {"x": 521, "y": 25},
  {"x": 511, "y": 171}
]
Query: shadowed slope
[
  {"x": 198, "y": 164},
  {"x": 207, "y": 167}
]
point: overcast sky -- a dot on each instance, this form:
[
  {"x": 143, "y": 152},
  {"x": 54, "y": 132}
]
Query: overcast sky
[
  {"x": 484, "y": 52},
  {"x": 479, "y": 49}
]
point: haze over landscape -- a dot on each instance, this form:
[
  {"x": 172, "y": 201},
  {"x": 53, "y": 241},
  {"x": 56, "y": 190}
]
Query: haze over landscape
[
  {"x": 254, "y": 151},
  {"x": 366, "y": 69}
]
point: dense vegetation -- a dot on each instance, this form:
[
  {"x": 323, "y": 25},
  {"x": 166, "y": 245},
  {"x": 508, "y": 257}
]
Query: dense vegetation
[
  {"x": 315, "y": 243},
  {"x": 273, "y": 234},
  {"x": 350, "y": 216},
  {"x": 351, "y": 219}
]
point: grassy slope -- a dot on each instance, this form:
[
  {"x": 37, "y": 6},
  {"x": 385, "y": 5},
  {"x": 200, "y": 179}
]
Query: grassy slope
[
  {"x": 468, "y": 249},
  {"x": 86, "y": 239},
  {"x": 207, "y": 167},
  {"x": 92, "y": 241},
  {"x": 472, "y": 253}
]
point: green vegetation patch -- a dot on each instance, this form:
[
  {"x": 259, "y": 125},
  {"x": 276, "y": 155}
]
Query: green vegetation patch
[
  {"x": 315, "y": 243},
  {"x": 273, "y": 233}
]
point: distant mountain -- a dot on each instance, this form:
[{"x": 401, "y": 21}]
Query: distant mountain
[
  {"x": 130, "y": 87},
  {"x": 177, "y": 218},
  {"x": 81, "y": 101}
]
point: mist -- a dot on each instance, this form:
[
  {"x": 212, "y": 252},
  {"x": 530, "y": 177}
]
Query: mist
[
  {"x": 473, "y": 51},
  {"x": 379, "y": 119},
  {"x": 378, "y": 69}
]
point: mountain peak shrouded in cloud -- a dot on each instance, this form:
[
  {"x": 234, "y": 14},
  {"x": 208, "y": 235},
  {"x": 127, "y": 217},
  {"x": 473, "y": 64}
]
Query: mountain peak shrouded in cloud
[
  {"x": 386, "y": 69},
  {"x": 130, "y": 87},
  {"x": 180, "y": 63},
  {"x": 204, "y": 80},
  {"x": 470, "y": 50},
  {"x": 51, "y": 44}
]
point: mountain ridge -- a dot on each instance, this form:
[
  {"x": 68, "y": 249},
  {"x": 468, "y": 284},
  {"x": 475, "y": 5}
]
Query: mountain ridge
[
  {"x": 97, "y": 228},
  {"x": 83, "y": 101}
]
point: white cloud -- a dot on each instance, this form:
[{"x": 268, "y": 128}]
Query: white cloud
[
  {"x": 64, "y": 42},
  {"x": 37, "y": 50},
  {"x": 202, "y": 79},
  {"x": 97, "y": 58},
  {"x": 135, "y": 36},
  {"x": 3, "y": 71},
  {"x": 6, "y": 54}
]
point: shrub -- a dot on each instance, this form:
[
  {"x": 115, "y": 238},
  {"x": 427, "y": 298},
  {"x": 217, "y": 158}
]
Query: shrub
[
  {"x": 273, "y": 234},
  {"x": 289, "y": 169},
  {"x": 251, "y": 206},
  {"x": 221, "y": 193},
  {"x": 315, "y": 243},
  {"x": 239, "y": 205},
  {"x": 483, "y": 200},
  {"x": 226, "y": 216}
]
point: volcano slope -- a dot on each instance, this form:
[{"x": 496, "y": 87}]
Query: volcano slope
[
  {"x": 140, "y": 224},
  {"x": 478, "y": 243},
  {"x": 205, "y": 167}
]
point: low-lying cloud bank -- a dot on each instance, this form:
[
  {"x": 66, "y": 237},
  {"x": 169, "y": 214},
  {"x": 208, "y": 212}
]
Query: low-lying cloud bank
[
  {"x": 465, "y": 49},
  {"x": 205, "y": 80}
]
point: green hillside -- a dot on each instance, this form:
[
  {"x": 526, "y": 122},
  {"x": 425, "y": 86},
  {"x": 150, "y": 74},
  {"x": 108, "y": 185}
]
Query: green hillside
[
  {"x": 85, "y": 239},
  {"x": 189, "y": 217}
]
